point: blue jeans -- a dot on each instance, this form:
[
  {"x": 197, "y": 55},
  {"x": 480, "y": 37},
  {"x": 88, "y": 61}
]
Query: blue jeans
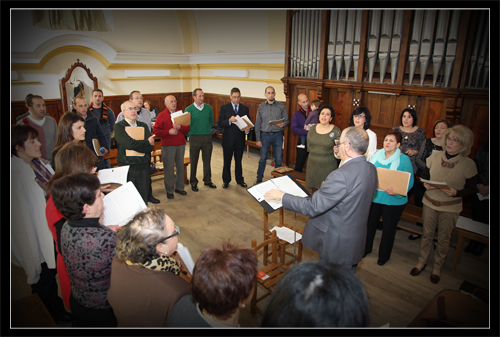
[{"x": 268, "y": 139}]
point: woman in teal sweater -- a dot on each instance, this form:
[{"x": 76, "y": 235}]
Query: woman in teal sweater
[{"x": 386, "y": 203}]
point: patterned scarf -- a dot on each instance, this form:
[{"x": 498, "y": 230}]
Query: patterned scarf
[
  {"x": 104, "y": 114},
  {"x": 162, "y": 263},
  {"x": 42, "y": 174}
]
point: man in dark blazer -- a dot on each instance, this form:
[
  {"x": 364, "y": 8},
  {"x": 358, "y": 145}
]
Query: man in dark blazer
[
  {"x": 339, "y": 209},
  {"x": 233, "y": 138}
]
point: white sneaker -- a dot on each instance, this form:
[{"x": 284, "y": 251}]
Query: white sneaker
[{"x": 301, "y": 146}]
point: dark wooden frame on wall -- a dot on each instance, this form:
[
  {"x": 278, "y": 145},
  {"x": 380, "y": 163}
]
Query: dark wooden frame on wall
[
  {"x": 456, "y": 103},
  {"x": 62, "y": 82}
]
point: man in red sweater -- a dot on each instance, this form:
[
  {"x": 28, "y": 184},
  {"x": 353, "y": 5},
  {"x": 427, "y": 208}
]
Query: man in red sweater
[{"x": 173, "y": 144}]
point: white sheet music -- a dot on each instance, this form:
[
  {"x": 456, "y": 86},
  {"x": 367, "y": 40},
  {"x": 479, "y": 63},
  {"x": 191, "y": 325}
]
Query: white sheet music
[
  {"x": 113, "y": 175},
  {"x": 122, "y": 204},
  {"x": 287, "y": 234},
  {"x": 283, "y": 183},
  {"x": 473, "y": 226},
  {"x": 186, "y": 256}
]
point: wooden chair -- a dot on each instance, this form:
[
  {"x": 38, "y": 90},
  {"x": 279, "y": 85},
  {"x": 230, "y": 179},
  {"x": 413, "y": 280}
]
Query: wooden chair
[
  {"x": 282, "y": 244},
  {"x": 273, "y": 271}
]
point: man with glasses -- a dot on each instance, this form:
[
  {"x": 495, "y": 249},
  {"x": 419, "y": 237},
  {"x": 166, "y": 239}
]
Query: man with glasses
[
  {"x": 143, "y": 115},
  {"x": 139, "y": 162},
  {"x": 233, "y": 139},
  {"x": 339, "y": 210}
]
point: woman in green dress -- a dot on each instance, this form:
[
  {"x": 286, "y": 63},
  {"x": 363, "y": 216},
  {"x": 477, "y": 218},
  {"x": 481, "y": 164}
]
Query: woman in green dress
[{"x": 320, "y": 142}]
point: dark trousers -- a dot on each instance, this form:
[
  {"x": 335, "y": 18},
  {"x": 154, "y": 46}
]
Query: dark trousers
[
  {"x": 142, "y": 181},
  {"x": 87, "y": 317},
  {"x": 390, "y": 215},
  {"x": 205, "y": 145},
  {"x": 228, "y": 153},
  {"x": 300, "y": 160},
  {"x": 46, "y": 289}
]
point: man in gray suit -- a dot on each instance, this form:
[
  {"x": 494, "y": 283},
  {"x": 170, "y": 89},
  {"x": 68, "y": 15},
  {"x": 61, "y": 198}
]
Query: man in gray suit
[{"x": 339, "y": 209}]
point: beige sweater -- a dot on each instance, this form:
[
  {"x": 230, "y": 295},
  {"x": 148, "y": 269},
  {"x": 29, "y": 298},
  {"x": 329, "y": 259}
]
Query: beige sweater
[{"x": 455, "y": 177}]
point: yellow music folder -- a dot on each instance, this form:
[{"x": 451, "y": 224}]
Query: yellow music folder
[
  {"x": 182, "y": 118},
  {"x": 399, "y": 180},
  {"x": 136, "y": 133}
]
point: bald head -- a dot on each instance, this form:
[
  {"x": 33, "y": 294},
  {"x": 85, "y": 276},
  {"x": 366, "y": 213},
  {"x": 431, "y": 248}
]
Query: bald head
[
  {"x": 171, "y": 103},
  {"x": 303, "y": 101}
]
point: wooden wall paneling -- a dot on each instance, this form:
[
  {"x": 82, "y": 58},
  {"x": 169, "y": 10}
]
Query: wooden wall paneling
[
  {"x": 53, "y": 108},
  {"x": 323, "y": 68},
  {"x": 437, "y": 108},
  {"x": 400, "y": 104},
  {"x": 403, "y": 52},
  {"x": 478, "y": 121},
  {"x": 459, "y": 80},
  {"x": 342, "y": 107}
]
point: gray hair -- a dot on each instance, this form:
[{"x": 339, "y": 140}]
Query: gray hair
[{"x": 358, "y": 138}]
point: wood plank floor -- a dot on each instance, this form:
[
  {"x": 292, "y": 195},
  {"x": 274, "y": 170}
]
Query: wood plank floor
[{"x": 211, "y": 216}]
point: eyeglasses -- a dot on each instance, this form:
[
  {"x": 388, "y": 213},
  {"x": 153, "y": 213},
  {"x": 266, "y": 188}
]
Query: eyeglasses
[
  {"x": 452, "y": 140},
  {"x": 342, "y": 143},
  {"x": 359, "y": 116},
  {"x": 177, "y": 232},
  {"x": 136, "y": 108}
]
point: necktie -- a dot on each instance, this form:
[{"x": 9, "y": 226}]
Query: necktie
[{"x": 236, "y": 109}]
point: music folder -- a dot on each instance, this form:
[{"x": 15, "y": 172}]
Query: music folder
[
  {"x": 399, "y": 180},
  {"x": 136, "y": 133},
  {"x": 287, "y": 184}
]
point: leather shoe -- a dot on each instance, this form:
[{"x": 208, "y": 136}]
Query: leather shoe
[
  {"x": 225, "y": 185},
  {"x": 435, "y": 278},
  {"x": 381, "y": 263},
  {"x": 194, "y": 188},
  {"x": 258, "y": 181},
  {"x": 413, "y": 237},
  {"x": 170, "y": 195},
  {"x": 415, "y": 271},
  {"x": 211, "y": 185},
  {"x": 243, "y": 184},
  {"x": 181, "y": 192},
  {"x": 153, "y": 200}
]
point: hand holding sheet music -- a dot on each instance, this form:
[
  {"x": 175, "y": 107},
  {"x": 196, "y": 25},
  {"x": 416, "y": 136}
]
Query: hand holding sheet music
[
  {"x": 283, "y": 184},
  {"x": 122, "y": 204}
]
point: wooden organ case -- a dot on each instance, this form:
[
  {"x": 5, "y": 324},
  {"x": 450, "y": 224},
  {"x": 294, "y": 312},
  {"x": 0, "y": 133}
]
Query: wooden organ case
[{"x": 435, "y": 61}]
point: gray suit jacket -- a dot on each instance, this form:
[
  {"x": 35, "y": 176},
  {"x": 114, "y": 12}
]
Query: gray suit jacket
[{"x": 339, "y": 212}]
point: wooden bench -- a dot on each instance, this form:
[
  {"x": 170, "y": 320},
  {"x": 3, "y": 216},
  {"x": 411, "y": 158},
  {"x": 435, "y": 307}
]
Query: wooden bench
[{"x": 414, "y": 214}]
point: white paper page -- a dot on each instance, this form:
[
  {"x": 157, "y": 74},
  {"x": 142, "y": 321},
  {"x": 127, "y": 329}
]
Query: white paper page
[
  {"x": 287, "y": 234},
  {"x": 473, "y": 226},
  {"x": 122, "y": 204},
  {"x": 259, "y": 190},
  {"x": 287, "y": 185},
  {"x": 186, "y": 257},
  {"x": 277, "y": 121},
  {"x": 433, "y": 182},
  {"x": 248, "y": 120},
  {"x": 113, "y": 175},
  {"x": 240, "y": 122},
  {"x": 481, "y": 197},
  {"x": 176, "y": 114}
]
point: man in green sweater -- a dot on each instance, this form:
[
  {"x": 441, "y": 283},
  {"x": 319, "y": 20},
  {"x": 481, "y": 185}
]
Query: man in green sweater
[
  {"x": 200, "y": 139},
  {"x": 139, "y": 164}
]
